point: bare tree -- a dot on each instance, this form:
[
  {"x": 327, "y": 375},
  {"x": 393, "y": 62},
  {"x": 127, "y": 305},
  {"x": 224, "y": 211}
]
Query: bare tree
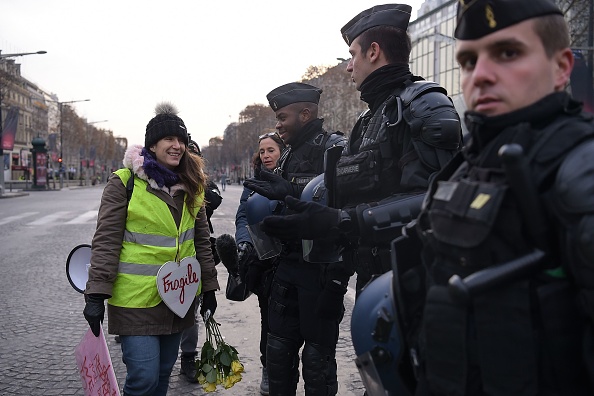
[
  {"x": 579, "y": 18},
  {"x": 340, "y": 104},
  {"x": 213, "y": 156}
]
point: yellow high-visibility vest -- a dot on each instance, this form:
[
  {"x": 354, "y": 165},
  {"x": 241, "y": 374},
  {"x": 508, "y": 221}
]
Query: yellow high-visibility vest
[{"x": 150, "y": 240}]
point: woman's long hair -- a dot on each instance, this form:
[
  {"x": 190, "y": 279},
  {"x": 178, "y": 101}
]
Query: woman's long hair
[{"x": 192, "y": 177}]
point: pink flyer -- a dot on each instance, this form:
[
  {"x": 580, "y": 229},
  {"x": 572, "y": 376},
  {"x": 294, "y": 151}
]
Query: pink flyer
[{"x": 94, "y": 366}]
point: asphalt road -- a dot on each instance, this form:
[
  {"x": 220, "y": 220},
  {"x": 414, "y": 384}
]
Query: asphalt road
[{"x": 41, "y": 319}]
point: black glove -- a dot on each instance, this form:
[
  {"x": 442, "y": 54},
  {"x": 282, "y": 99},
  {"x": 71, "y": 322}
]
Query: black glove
[
  {"x": 209, "y": 302},
  {"x": 255, "y": 277},
  {"x": 247, "y": 254},
  {"x": 312, "y": 221},
  {"x": 272, "y": 186},
  {"x": 94, "y": 311},
  {"x": 329, "y": 305},
  {"x": 251, "y": 268}
]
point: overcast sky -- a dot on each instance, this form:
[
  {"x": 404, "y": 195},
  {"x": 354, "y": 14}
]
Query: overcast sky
[{"x": 210, "y": 58}]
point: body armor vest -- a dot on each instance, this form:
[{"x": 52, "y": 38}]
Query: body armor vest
[
  {"x": 473, "y": 221},
  {"x": 301, "y": 165},
  {"x": 417, "y": 122},
  {"x": 374, "y": 171}
]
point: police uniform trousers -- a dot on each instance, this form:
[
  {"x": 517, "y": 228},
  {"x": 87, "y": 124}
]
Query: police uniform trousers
[{"x": 293, "y": 323}]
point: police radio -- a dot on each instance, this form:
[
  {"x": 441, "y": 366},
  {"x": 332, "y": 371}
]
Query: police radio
[{"x": 77, "y": 267}]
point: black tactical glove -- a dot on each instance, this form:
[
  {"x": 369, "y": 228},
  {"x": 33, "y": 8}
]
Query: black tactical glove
[
  {"x": 209, "y": 303},
  {"x": 246, "y": 254},
  {"x": 254, "y": 278},
  {"x": 312, "y": 221},
  {"x": 94, "y": 311},
  {"x": 329, "y": 305},
  {"x": 272, "y": 186}
]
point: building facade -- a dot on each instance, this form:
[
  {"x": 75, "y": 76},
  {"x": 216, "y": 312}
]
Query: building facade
[
  {"x": 28, "y": 112},
  {"x": 433, "y": 47}
]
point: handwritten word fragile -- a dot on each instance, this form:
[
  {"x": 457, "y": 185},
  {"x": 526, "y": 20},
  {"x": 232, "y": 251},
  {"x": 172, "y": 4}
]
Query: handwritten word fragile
[{"x": 181, "y": 283}]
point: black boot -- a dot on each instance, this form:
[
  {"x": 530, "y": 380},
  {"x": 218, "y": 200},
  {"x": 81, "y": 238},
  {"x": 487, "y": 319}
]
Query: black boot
[
  {"x": 282, "y": 365},
  {"x": 264, "y": 388},
  {"x": 319, "y": 376},
  {"x": 188, "y": 367}
]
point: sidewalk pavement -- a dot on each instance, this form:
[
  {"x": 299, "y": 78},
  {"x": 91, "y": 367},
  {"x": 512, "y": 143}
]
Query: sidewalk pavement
[{"x": 22, "y": 193}]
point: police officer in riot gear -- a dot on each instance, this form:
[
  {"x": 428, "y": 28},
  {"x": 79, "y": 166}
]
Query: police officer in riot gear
[
  {"x": 298, "y": 285},
  {"x": 410, "y": 131},
  {"x": 507, "y": 225},
  {"x": 507, "y": 229}
]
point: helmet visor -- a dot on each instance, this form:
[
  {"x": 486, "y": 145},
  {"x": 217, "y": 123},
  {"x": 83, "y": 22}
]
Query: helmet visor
[
  {"x": 265, "y": 245},
  {"x": 321, "y": 251},
  {"x": 369, "y": 375}
]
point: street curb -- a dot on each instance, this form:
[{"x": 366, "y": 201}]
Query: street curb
[{"x": 13, "y": 195}]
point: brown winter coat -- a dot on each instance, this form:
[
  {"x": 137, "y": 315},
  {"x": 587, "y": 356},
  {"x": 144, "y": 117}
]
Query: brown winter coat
[{"x": 107, "y": 242}]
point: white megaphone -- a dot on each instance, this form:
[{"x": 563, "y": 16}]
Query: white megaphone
[{"x": 77, "y": 267}]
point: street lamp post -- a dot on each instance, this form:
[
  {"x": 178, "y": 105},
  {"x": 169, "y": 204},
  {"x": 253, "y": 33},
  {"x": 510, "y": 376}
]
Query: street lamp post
[{"x": 4, "y": 56}]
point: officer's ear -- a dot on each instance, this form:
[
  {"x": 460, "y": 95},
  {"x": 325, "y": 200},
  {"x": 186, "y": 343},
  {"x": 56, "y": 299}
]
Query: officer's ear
[
  {"x": 374, "y": 52},
  {"x": 305, "y": 115},
  {"x": 563, "y": 62}
]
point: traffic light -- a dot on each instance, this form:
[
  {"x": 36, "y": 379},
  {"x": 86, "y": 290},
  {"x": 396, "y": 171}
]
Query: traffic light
[{"x": 60, "y": 160}]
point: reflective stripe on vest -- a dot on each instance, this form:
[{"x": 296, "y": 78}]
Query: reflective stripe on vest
[
  {"x": 151, "y": 239},
  {"x": 157, "y": 240}
]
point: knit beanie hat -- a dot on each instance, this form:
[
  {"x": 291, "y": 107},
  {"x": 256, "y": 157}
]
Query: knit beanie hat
[{"x": 165, "y": 123}]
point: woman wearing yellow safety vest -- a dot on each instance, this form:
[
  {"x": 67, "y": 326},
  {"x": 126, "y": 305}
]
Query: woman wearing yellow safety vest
[{"x": 163, "y": 221}]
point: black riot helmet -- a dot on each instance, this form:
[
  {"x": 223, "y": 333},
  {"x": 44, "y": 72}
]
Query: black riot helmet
[
  {"x": 378, "y": 340},
  {"x": 319, "y": 250},
  {"x": 257, "y": 208}
]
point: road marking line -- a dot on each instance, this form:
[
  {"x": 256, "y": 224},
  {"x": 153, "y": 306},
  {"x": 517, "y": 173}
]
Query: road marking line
[
  {"x": 13, "y": 218},
  {"x": 49, "y": 218},
  {"x": 84, "y": 218}
]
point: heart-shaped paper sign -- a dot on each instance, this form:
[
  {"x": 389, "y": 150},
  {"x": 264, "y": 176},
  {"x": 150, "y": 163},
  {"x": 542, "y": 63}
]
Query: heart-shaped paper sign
[{"x": 178, "y": 283}]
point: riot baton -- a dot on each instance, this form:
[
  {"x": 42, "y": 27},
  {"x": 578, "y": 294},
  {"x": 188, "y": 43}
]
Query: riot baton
[
  {"x": 522, "y": 186},
  {"x": 462, "y": 290}
]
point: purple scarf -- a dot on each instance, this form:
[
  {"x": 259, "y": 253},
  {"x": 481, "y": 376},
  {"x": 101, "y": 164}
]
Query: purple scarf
[{"x": 154, "y": 170}]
